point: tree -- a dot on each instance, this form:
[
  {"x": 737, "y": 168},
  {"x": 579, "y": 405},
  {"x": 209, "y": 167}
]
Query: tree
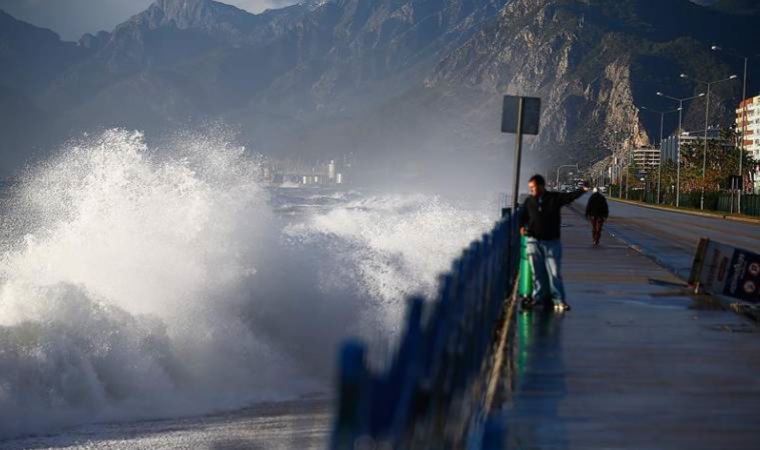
[{"x": 722, "y": 162}]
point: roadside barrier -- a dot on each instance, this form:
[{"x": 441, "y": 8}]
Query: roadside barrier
[
  {"x": 750, "y": 204},
  {"x": 714, "y": 201},
  {"x": 432, "y": 394},
  {"x": 729, "y": 273}
]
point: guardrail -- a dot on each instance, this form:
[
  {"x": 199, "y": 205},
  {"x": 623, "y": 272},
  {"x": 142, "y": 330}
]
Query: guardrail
[
  {"x": 714, "y": 201},
  {"x": 432, "y": 394}
]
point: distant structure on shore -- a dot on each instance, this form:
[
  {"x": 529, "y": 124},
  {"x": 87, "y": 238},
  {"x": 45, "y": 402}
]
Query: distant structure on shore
[{"x": 297, "y": 172}]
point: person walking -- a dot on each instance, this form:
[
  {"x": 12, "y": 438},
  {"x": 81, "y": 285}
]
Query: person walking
[
  {"x": 597, "y": 212},
  {"x": 540, "y": 223}
]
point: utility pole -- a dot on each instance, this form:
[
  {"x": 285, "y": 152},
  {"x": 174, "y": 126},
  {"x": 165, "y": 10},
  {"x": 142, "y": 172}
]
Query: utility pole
[
  {"x": 717, "y": 48},
  {"x": 678, "y": 139},
  {"x": 520, "y": 115},
  {"x": 741, "y": 143},
  {"x": 577, "y": 169},
  {"x": 628, "y": 173},
  {"x": 707, "y": 118},
  {"x": 518, "y": 153},
  {"x": 662, "y": 127}
]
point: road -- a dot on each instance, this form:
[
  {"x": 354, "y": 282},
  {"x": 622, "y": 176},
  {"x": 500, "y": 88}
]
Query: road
[{"x": 671, "y": 237}]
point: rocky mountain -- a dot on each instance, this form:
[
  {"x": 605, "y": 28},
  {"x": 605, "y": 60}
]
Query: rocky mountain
[
  {"x": 30, "y": 60},
  {"x": 389, "y": 79},
  {"x": 594, "y": 63}
]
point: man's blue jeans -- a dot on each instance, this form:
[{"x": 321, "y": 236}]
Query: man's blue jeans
[{"x": 546, "y": 259}]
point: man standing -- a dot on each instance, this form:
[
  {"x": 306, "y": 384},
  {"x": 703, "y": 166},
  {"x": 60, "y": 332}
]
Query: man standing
[
  {"x": 597, "y": 212},
  {"x": 540, "y": 222}
]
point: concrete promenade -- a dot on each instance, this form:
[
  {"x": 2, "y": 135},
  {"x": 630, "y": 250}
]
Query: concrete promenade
[{"x": 637, "y": 363}]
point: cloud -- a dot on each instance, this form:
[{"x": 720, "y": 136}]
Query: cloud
[
  {"x": 259, "y": 5},
  {"x": 72, "y": 18}
]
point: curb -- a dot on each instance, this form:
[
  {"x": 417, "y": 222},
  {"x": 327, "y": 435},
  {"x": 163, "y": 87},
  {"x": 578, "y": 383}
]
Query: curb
[{"x": 688, "y": 212}]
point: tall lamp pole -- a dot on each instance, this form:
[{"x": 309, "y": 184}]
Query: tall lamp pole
[
  {"x": 562, "y": 167},
  {"x": 746, "y": 59},
  {"x": 678, "y": 142},
  {"x": 662, "y": 125},
  {"x": 709, "y": 85}
]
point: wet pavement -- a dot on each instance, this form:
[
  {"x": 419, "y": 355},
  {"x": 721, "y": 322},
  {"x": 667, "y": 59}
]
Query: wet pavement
[{"x": 636, "y": 364}]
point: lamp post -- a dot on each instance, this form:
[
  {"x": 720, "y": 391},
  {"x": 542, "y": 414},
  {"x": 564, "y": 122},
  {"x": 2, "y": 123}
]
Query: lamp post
[
  {"x": 628, "y": 172},
  {"x": 662, "y": 125},
  {"x": 709, "y": 85},
  {"x": 746, "y": 59},
  {"x": 678, "y": 143},
  {"x": 562, "y": 167}
]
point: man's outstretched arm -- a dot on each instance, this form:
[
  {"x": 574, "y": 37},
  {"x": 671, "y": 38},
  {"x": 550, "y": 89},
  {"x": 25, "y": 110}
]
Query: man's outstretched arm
[{"x": 566, "y": 198}]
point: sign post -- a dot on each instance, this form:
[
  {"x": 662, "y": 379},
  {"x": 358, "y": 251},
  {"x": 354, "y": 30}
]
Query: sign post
[{"x": 520, "y": 115}]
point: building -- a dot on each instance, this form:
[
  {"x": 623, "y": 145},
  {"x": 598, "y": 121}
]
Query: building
[
  {"x": 304, "y": 173},
  {"x": 331, "y": 170},
  {"x": 670, "y": 144},
  {"x": 646, "y": 158},
  {"x": 748, "y": 128}
]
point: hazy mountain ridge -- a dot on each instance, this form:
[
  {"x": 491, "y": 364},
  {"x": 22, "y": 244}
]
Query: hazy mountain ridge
[
  {"x": 31, "y": 56},
  {"x": 317, "y": 78}
]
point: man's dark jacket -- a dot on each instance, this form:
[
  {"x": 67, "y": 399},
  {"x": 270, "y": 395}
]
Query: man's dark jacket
[
  {"x": 541, "y": 216},
  {"x": 597, "y": 206}
]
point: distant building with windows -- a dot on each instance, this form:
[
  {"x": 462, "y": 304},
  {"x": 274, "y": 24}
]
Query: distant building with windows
[
  {"x": 646, "y": 158},
  {"x": 748, "y": 128},
  {"x": 670, "y": 144}
]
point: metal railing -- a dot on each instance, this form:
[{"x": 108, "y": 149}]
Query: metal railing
[
  {"x": 713, "y": 201},
  {"x": 432, "y": 392}
]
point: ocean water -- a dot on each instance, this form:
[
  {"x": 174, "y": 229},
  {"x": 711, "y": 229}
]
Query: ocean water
[{"x": 163, "y": 297}]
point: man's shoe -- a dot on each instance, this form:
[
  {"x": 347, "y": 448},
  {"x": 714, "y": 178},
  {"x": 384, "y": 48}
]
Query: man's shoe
[
  {"x": 561, "y": 307},
  {"x": 527, "y": 303}
]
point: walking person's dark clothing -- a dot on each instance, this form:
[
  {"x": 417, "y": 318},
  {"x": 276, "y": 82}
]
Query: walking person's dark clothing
[
  {"x": 540, "y": 223},
  {"x": 597, "y": 212}
]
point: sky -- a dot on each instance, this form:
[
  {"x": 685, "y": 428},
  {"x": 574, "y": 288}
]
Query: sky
[{"x": 72, "y": 18}]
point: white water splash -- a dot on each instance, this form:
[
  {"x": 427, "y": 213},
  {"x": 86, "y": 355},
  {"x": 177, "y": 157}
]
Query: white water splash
[
  {"x": 393, "y": 246},
  {"x": 120, "y": 294},
  {"x": 136, "y": 283}
]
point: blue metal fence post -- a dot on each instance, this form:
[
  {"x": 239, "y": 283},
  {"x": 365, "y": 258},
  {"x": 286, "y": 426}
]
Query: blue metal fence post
[
  {"x": 494, "y": 433},
  {"x": 442, "y": 353},
  {"x": 352, "y": 413},
  {"x": 409, "y": 370}
]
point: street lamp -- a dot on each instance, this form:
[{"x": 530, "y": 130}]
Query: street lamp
[
  {"x": 662, "y": 125},
  {"x": 707, "y": 119},
  {"x": 717, "y": 48},
  {"x": 562, "y": 167},
  {"x": 678, "y": 144}
]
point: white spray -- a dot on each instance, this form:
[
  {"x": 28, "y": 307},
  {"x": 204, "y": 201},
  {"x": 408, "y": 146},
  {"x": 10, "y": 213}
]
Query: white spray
[{"x": 137, "y": 283}]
